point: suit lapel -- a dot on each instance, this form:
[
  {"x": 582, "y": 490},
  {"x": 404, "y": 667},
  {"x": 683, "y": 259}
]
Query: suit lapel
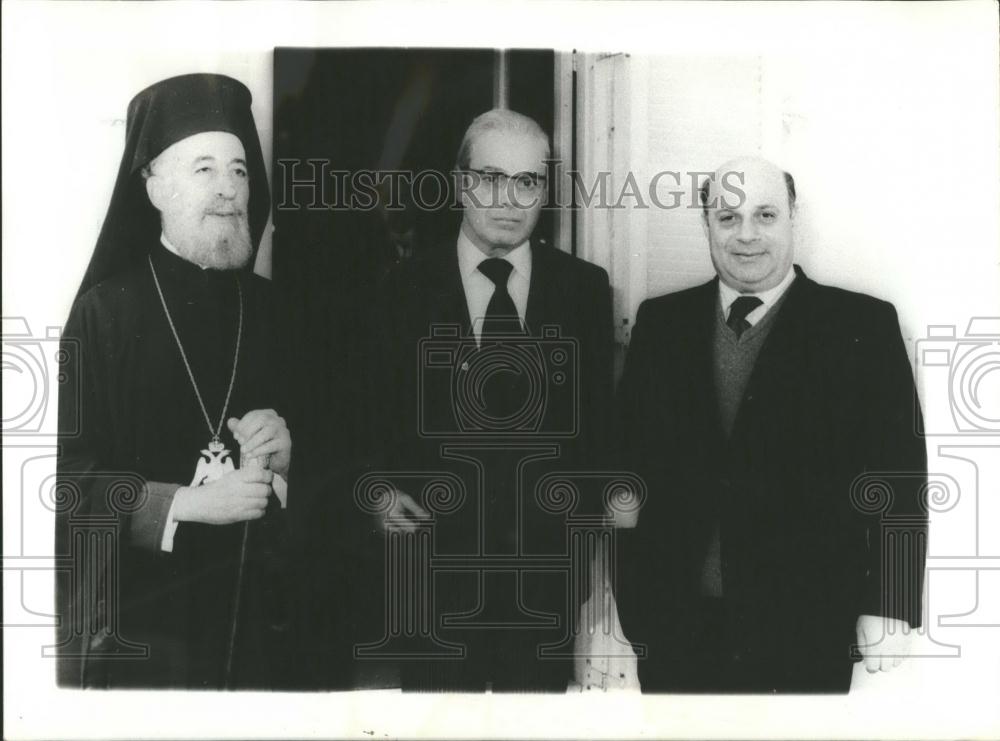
[
  {"x": 539, "y": 289},
  {"x": 450, "y": 305},
  {"x": 779, "y": 366},
  {"x": 702, "y": 362}
]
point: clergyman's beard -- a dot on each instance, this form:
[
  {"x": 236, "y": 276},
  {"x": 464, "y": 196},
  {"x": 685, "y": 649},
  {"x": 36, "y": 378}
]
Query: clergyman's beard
[{"x": 222, "y": 244}]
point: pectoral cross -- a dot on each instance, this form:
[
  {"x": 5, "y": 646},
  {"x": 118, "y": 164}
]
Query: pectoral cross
[{"x": 215, "y": 464}]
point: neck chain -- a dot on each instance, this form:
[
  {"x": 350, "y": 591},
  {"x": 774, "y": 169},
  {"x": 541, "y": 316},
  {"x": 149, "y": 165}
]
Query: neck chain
[{"x": 214, "y": 445}]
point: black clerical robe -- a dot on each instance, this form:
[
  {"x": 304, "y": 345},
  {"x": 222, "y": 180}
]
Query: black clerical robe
[{"x": 133, "y": 614}]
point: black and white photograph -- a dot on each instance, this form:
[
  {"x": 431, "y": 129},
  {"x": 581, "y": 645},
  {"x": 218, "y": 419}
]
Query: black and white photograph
[{"x": 488, "y": 370}]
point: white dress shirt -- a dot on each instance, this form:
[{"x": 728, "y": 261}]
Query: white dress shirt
[
  {"x": 727, "y": 295},
  {"x": 479, "y": 289}
]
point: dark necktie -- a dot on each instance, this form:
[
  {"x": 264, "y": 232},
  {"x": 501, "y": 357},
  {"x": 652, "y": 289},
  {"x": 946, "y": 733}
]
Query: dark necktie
[
  {"x": 504, "y": 392},
  {"x": 505, "y": 388},
  {"x": 501, "y": 314},
  {"x": 742, "y": 306}
]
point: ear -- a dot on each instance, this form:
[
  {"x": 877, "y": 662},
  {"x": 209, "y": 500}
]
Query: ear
[{"x": 156, "y": 189}]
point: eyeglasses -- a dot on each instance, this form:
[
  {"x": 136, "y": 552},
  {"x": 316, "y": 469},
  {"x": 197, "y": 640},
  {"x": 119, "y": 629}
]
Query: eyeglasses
[{"x": 525, "y": 183}]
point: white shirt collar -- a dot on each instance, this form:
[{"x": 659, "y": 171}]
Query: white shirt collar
[
  {"x": 469, "y": 257},
  {"x": 727, "y": 295}
]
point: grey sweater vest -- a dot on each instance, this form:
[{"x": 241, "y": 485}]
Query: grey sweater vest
[{"x": 733, "y": 363}]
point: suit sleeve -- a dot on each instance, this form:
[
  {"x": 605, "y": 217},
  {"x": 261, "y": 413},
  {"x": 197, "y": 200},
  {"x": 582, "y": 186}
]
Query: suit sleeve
[
  {"x": 897, "y": 536},
  {"x": 389, "y": 385},
  {"x": 90, "y": 490},
  {"x": 83, "y": 467},
  {"x": 632, "y": 392},
  {"x": 629, "y": 584}
]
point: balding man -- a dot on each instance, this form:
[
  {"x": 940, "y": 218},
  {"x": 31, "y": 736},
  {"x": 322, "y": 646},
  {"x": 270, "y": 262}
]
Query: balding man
[{"x": 754, "y": 405}]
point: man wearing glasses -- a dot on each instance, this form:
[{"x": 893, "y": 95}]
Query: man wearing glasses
[{"x": 495, "y": 366}]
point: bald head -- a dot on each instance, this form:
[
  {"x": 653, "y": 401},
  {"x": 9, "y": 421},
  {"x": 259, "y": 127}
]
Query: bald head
[
  {"x": 751, "y": 242},
  {"x": 731, "y": 174},
  {"x": 503, "y": 161}
]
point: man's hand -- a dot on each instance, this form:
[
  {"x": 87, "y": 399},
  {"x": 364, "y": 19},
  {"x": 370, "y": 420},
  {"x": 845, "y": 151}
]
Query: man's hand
[
  {"x": 884, "y": 642},
  {"x": 398, "y": 518},
  {"x": 262, "y": 432},
  {"x": 236, "y": 497}
]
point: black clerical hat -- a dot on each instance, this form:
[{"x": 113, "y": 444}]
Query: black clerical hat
[{"x": 159, "y": 116}]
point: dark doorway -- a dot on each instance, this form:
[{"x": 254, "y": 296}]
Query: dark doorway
[
  {"x": 340, "y": 113},
  {"x": 351, "y": 111}
]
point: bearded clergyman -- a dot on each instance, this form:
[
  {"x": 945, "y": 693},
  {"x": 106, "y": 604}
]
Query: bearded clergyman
[{"x": 174, "y": 458}]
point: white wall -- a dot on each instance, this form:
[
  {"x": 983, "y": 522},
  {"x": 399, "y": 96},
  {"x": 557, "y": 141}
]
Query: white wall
[
  {"x": 701, "y": 111},
  {"x": 63, "y": 136},
  {"x": 891, "y": 131},
  {"x": 893, "y": 152}
]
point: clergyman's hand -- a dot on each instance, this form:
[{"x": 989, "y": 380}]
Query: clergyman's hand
[
  {"x": 399, "y": 517},
  {"x": 262, "y": 432},
  {"x": 884, "y": 642},
  {"x": 237, "y": 496}
]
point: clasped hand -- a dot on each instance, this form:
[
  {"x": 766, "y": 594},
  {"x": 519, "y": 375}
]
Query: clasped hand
[
  {"x": 240, "y": 495},
  {"x": 237, "y": 496},
  {"x": 262, "y": 432}
]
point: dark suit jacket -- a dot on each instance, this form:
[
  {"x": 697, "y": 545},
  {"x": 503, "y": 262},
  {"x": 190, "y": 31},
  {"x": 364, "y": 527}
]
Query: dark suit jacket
[
  {"x": 569, "y": 308},
  {"x": 828, "y": 412},
  {"x": 423, "y": 397}
]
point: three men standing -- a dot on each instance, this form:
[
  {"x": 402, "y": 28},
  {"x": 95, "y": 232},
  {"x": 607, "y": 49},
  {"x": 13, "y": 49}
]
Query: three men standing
[{"x": 753, "y": 406}]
